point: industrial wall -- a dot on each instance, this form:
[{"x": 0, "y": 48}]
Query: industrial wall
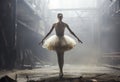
[{"x": 20, "y": 32}]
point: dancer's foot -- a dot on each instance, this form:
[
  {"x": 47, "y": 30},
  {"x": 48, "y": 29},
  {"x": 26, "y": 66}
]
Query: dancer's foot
[{"x": 60, "y": 75}]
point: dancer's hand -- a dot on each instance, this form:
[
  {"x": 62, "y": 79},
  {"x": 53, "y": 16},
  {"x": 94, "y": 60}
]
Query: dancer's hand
[{"x": 80, "y": 41}]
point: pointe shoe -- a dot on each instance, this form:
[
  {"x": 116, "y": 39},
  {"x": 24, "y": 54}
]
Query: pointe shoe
[{"x": 60, "y": 75}]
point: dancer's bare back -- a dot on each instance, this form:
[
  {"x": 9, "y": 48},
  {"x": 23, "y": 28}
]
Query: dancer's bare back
[{"x": 60, "y": 28}]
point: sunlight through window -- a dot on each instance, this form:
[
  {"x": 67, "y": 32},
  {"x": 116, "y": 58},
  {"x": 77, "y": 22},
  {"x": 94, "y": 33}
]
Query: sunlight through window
[{"x": 66, "y": 4}]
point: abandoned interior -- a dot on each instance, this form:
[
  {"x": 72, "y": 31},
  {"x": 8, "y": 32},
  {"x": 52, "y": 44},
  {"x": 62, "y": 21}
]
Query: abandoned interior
[{"x": 24, "y": 23}]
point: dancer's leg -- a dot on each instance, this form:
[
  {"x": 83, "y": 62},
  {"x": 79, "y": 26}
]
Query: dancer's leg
[{"x": 60, "y": 55}]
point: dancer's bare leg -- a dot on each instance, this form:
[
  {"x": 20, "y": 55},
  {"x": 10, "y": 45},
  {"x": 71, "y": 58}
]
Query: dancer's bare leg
[{"x": 60, "y": 55}]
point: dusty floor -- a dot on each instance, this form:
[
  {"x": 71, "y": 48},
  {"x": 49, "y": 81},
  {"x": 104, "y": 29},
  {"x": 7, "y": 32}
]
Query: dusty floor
[{"x": 70, "y": 71}]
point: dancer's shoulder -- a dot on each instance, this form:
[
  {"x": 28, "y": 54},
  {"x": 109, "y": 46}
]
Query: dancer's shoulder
[
  {"x": 66, "y": 24},
  {"x": 54, "y": 24}
]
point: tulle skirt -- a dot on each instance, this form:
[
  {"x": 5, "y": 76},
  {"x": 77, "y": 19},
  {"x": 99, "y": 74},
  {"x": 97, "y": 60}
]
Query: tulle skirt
[{"x": 59, "y": 43}]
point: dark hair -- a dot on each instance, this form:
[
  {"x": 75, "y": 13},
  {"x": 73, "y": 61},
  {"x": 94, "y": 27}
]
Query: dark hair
[{"x": 59, "y": 15}]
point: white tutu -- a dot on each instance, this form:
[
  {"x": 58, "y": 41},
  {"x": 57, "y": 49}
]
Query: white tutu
[{"x": 59, "y": 43}]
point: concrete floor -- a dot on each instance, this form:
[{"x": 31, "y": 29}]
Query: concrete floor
[{"x": 71, "y": 71}]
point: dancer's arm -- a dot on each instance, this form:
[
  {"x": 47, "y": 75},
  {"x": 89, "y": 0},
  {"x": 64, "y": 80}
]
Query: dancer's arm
[
  {"x": 47, "y": 34},
  {"x": 73, "y": 33}
]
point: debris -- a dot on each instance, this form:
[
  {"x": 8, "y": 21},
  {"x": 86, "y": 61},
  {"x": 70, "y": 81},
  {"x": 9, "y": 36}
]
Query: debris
[{"x": 7, "y": 79}]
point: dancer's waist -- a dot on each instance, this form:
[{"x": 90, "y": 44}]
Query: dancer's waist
[{"x": 60, "y": 35}]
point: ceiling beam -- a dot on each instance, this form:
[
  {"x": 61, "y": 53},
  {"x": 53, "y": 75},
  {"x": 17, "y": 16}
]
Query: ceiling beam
[{"x": 78, "y": 9}]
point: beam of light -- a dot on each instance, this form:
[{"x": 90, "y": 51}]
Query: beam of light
[{"x": 65, "y": 4}]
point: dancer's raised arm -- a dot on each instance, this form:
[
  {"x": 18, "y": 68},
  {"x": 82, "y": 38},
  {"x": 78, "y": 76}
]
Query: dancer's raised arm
[
  {"x": 73, "y": 33},
  {"x": 47, "y": 34}
]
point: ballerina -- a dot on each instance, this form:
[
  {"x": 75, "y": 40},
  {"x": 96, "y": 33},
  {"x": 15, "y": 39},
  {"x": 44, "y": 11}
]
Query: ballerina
[{"x": 59, "y": 42}]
